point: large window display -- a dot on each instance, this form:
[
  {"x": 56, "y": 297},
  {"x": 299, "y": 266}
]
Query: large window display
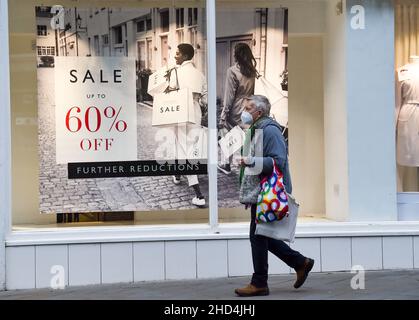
[
  {"x": 117, "y": 97},
  {"x": 110, "y": 107},
  {"x": 407, "y": 89},
  {"x": 285, "y": 45}
]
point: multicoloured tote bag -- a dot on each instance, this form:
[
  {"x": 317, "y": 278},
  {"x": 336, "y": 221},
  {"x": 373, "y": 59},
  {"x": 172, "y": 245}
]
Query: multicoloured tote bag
[{"x": 272, "y": 204}]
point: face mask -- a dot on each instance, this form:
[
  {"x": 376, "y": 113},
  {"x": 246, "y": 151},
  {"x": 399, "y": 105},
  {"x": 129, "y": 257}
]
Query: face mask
[{"x": 246, "y": 118}]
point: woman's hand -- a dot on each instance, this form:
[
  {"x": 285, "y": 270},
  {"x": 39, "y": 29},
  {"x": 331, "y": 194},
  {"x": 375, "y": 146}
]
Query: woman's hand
[
  {"x": 241, "y": 161},
  {"x": 245, "y": 161}
]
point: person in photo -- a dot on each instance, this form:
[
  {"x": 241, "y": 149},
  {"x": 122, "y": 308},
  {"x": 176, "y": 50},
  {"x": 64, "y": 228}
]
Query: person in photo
[
  {"x": 188, "y": 134},
  {"x": 239, "y": 84}
]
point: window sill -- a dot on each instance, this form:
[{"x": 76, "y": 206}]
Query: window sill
[{"x": 226, "y": 231}]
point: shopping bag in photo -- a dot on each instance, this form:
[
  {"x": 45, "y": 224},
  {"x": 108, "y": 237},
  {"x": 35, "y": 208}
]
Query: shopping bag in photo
[
  {"x": 157, "y": 82},
  {"x": 232, "y": 141},
  {"x": 173, "y": 107},
  {"x": 198, "y": 150}
]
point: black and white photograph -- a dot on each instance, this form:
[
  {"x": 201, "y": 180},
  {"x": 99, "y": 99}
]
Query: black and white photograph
[
  {"x": 168, "y": 48},
  {"x": 145, "y": 43},
  {"x": 251, "y": 60}
]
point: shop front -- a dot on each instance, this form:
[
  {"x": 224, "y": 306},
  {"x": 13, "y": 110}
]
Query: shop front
[{"x": 106, "y": 180}]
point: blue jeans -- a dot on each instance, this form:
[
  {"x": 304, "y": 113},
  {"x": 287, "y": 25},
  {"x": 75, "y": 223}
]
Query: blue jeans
[{"x": 261, "y": 245}]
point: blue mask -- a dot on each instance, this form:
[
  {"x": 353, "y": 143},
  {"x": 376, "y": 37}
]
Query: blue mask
[{"x": 246, "y": 118}]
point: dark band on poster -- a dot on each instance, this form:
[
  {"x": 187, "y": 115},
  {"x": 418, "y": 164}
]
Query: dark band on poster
[{"x": 120, "y": 169}]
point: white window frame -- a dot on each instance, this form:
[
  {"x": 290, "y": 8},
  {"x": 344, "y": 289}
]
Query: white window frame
[{"x": 5, "y": 140}]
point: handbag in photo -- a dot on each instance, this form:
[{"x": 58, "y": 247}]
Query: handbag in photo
[
  {"x": 232, "y": 141},
  {"x": 199, "y": 148},
  {"x": 173, "y": 107},
  {"x": 284, "y": 229},
  {"x": 157, "y": 81}
]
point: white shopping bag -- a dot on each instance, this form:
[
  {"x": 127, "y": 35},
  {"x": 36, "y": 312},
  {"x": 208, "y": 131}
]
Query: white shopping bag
[
  {"x": 278, "y": 100},
  {"x": 173, "y": 107},
  {"x": 232, "y": 141},
  {"x": 157, "y": 82},
  {"x": 284, "y": 229},
  {"x": 198, "y": 150}
]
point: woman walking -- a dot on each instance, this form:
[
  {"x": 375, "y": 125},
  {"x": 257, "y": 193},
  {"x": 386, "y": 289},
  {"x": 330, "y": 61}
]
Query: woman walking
[{"x": 263, "y": 145}]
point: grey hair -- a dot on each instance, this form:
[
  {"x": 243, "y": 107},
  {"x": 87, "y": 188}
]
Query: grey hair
[{"x": 261, "y": 103}]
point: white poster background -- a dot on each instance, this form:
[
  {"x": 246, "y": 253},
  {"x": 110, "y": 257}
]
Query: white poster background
[{"x": 107, "y": 143}]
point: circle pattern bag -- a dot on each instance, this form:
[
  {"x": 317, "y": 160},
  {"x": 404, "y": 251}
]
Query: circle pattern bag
[{"x": 272, "y": 203}]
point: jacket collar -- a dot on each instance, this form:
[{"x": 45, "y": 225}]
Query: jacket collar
[{"x": 184, "y": 63}]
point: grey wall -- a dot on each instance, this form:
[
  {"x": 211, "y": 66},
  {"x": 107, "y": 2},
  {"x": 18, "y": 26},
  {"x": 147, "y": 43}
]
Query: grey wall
[{"x": 370, "y": 98}]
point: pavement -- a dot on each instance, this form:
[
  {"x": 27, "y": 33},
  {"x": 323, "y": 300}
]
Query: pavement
[{"x": 379, "y": 285}]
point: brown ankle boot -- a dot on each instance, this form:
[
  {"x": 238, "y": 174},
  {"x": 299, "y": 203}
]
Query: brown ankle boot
[
  {"x": 302, "y": 273},
  {"x": 250, "y": 290}
]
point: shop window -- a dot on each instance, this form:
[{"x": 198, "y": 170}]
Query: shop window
[
  {"x": 407, "y": 108},
  {"x": 51, "y": 193},
  {"x": 261, "y": 36},
  {"x": 57, "y": 198}
]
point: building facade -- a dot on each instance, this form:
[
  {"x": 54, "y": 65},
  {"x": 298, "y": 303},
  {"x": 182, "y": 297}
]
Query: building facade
[{"x": 358, "y": 207}]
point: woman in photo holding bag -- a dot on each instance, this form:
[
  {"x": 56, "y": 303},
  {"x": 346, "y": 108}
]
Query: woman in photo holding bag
[
  {"x": 265, "y": 144},
  {"x": 239, "y": 83},
  {"x": 187, "y": 75}
]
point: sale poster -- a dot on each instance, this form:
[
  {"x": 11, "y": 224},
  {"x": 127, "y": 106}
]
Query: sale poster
[
  {"x": 100, "y": 111},
  {"x": 99, "y": 150}
]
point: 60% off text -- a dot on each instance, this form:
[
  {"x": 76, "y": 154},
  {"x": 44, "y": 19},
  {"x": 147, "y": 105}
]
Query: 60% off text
[{"x": 92, "y": 120}]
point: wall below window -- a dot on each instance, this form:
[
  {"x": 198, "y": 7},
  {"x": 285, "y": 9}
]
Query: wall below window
[{"x": 35, "y": 266}]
